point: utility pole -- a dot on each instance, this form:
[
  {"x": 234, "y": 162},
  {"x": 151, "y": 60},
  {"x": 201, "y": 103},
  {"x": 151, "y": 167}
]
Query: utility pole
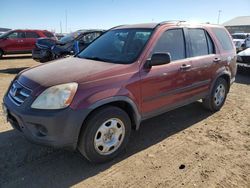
[
  {"x": 218, "y": 21},
  {"x": 66, "y": 21}
]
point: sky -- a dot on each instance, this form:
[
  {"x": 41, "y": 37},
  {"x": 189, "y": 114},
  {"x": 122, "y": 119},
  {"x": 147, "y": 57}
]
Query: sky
[{"x": 104, "y": 14}]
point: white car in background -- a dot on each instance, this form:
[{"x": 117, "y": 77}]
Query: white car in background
[
  {"x": 243, "y": 59},
  {"x": 239, "y": 40}
]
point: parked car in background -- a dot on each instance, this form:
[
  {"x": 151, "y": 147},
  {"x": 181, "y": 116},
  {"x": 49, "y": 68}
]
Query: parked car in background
[
  {"x": 47, "y": 50},
  {"x": 243, "y": 59},
  {"x": 21, "y": 41},
  {"x": 131, "y": 73},
  {"x": 3, "y": 30},
  {"x": 239, "y": 40},
  {"x": 59, "y": 35}
]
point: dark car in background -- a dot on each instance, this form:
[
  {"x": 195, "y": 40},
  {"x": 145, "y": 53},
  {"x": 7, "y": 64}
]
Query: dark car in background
[
  {"x": 21, "y": 41},
  {"x": 47, "y": 49}
]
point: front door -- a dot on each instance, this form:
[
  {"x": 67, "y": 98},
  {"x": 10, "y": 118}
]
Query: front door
[
  {"x": 167, "y": 86},
  {"x": 15, "y": 41}
]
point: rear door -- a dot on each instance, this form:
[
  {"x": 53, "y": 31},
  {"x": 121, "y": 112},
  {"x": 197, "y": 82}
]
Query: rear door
[
  {"x": 167, "y": 86},
  {"x": 30, "y": 40},
  {"x": 204, "y": 58},
  {"x": 14, "y": 42}
]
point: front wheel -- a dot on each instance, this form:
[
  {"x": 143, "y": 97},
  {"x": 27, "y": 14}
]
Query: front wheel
[
  {"x": 217, "y": 98},
  {"x": 105, "y": 134}
]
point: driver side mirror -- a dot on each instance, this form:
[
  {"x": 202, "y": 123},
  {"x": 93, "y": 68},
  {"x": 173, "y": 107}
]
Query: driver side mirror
[{"x": 159, "y": 59}]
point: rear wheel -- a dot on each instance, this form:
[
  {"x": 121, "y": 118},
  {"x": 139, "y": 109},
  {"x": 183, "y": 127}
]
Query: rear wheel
[
  {"x": 105, "y": 134},
  {"x": 217, "y": 98}
]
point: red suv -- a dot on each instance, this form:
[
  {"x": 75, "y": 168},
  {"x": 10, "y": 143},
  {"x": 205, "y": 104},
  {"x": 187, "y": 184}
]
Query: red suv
[
  {"x": 127, "y": 75},
  {"x": 21, "y": 41}
]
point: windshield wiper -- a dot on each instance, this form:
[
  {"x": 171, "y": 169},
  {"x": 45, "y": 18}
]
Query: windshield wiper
[{"x": 96, "y": 59}]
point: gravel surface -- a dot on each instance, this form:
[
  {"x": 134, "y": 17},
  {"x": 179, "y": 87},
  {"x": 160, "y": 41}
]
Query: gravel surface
[{"x": 187, "y": 147}]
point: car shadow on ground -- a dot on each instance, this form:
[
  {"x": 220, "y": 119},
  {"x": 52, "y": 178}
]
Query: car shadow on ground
[
  {"x": 24, "y": 164},
  {"x": 16, "y": 57},
  {"x": 243, "y": 77},
  {"x": 13, "y": 70}
]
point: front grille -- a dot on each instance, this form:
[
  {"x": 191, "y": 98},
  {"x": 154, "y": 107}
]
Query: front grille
[
  {"x": 245, "y": 59},
  {"x": 18, "y": 93}
]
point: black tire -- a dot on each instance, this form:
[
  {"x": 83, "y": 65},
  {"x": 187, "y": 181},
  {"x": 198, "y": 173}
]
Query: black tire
[
  {"x": 210, "y": 102},
  {"x": 89, "y": 132}
]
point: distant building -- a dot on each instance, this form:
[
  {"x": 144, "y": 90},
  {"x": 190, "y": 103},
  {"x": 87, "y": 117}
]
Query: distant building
[{"x": 239, "y": 24}]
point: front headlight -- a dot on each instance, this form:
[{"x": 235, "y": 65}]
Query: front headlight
[{"x": 56, "y": 97}]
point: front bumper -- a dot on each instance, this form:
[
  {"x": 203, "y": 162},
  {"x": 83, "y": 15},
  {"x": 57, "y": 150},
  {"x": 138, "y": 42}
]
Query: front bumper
[{"x": 56, "y": 128}]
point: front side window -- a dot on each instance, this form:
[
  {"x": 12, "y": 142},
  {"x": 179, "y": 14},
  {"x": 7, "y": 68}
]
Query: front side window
[
  {"x": 118, "y": 46},
  {"x": 172, "y": 41},
  {"x": 15, "y": 35}
]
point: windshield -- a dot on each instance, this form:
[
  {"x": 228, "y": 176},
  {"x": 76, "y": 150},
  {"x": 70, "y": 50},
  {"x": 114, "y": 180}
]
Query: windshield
[
  {"x": 5, "y": 34},
  {"x": 69, "y": 37},
  {"x": 118, "y": 46},
  {"x": 239, "y": 36}
]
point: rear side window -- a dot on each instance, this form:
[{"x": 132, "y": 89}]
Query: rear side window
[
  {"x": 201, "y": 44},
  {"x": 32, "y": 35},
  {"x": 223, "y": 37},
  {"x": 48, "y": 34},
  {"x": 171, "y": 41}
]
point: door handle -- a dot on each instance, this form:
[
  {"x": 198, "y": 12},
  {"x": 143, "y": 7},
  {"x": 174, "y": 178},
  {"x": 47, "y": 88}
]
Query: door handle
[
  {"x": 217, "y": 60},
  {"x": 20, "y": 41},
  {"x": 185, "y": 67}
]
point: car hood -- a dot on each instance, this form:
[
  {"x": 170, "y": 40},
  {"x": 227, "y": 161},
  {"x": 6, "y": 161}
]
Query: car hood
[
  {"x": 238, "y": 40},
  {"x": 67, "y": 70},
  {"x": 244, "y": 52}
]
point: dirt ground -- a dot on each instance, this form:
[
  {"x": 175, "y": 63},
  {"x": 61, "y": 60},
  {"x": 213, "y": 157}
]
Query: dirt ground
[{"x": 187, "y": 147}]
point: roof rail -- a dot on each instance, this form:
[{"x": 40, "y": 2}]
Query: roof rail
[{"x": 178, "y": 22}]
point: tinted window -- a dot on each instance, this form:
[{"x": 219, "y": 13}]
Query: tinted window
[
  {"x": 48, "y": 34},
  {"x": 171, "y": 41},
  {"x": 238, "y": 36},
  {"x": 32, "y": 35},
  {"x": 17, "y": 34},
  {"x": 223, "y": 37},
  {"x": 117, "y": 46},
  {"x": 199, "y": 44}
]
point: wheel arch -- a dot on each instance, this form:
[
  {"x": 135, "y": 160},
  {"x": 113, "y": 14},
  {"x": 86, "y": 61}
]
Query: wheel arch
[
  {"x": 123, "y": 102},
  {"x": 225, "y": 75}
]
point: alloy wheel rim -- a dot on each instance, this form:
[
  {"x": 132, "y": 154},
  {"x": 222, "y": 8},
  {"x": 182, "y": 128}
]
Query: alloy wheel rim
[
  {"x": 109, "y": 136},
  {"x": 219, "y": 95}
]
